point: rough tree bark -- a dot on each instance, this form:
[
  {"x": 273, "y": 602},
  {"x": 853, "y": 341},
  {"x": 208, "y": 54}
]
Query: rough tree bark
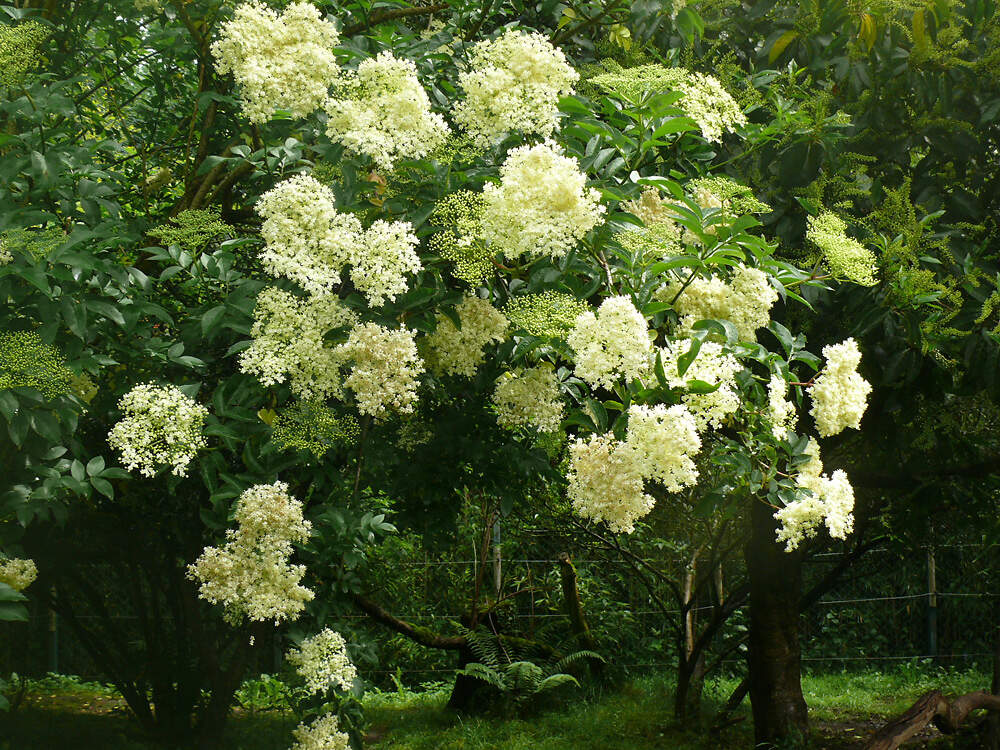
[
  {"x": 931, "y": 707},
  {"x": 774, "y": 660}
]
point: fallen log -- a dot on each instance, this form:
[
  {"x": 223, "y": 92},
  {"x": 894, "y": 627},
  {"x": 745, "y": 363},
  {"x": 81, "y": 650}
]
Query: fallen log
[{"x": 931, "y": 707}]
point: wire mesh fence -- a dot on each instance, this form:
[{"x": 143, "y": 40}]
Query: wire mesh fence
[{"x": 888, "y": 607}]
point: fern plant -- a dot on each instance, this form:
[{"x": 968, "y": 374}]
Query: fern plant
[{"x": 503, "y": 664}]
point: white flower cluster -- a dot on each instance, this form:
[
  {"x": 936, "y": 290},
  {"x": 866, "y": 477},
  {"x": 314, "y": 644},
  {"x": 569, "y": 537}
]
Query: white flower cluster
[
  {"x": 514, "y": 84},
  {"x": 387, "y": 253},
  {"x": 322, "y": 734},
  {"x": 529, "y": 399},
  {"x": 714, "y": 366},
  {"x": 460, "y": 351},
  {"x": 607, "y": 477},
  {"x": 322, "y": 661},
  {"x": 384, "y": 113},
  {"x": 831, "y": 501},
  {"x": 612, "y": 344},
  {"x": 18, "y": 573},
  {"x": 251, "y": 574},
  {"x": 664, "y": 440},
  {"x": 309, "y": 242},
  {"x": 606, "y": 482},
  {"x": 386, "y": 368},
  {"x": 780, "y": 411},
  {"x": 281, "y": 61},
  {"x": 746, "y": 301},
  {"x": 541, "y": 206},
  {"x": 305, "y": 238},
  {"x": 707, "y": 102},
  {"x": 160, "y": 427},
  {"x": 839, "y": 393},
  {"x": 288, "y": 343}
]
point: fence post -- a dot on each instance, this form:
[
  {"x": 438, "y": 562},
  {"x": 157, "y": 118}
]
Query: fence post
[
  {"x": 53, "y": 638},
  {"x": 932, "y": 612}
]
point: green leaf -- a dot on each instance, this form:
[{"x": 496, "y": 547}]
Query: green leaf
[
  {"x": 95, "y": 466},
  {"x": 781, "y": 44}
]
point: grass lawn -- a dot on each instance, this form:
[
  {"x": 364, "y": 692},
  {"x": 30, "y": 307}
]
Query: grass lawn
[{"x": 845, "y": 707}]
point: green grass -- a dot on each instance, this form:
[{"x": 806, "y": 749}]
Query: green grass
[{"x": 844, "y": 708}]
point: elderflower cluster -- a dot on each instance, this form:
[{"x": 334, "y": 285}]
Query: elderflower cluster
[
  {"x": 542, "y": 206},
  {"x": 607, "y": 477},
  {"x": 713, "y": 366},
  {"x": 288, "y": 343},
  {"x": 251, "y": 574},
  {"x": 322, "y": 661},
  {"x": 830, "y": 500},
  {"x": 460, "y": 351},
  {"x": 306, "y": 239},
  {"x": 387, "y": 254},
  {"x": 705, "y": 99},
  {"x": 665, "y": 440},
  {"x": 780, "y": 411},
  {"x": 839, "y": 393},
  {"x": 309, "y": 242},
  {"x": 322, "y": 734},
  {"x": 18, "y": 573},
  {"x": 279, "y": 61},
  {"x": 386, "y": 368},
  {"x": 606, "y": 482},
  {"x": 529, "y": 399},
  {"x": 845, "y": 256},
  {"x": 460, "y": 240},
  {"x": 160, "y": 427},
  {"x": 382, "y": 111},
  {"x": 514, "y": 84},
  {"x": 612, "y": 344},
  {"x": 746, "y": 301},
  {"x": 25, "y": 361},
  {"x": 550, "y": 314}
]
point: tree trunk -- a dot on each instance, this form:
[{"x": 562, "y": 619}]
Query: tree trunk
[{"x": 779, "y": 710}]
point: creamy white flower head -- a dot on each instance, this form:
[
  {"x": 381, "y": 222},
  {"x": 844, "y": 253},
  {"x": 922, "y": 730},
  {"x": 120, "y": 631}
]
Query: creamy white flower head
[
  {"x": 309, "y": 242},
  {"x": 385, "y": 255},
  {"x": 322, "y": 661},
  {"x": 322, "y": 734},
  {"x": 664, "y": 440},
  {"x": 306, "y": 239},
  {"x": 612, "y": 344},
  {"x": 712, "y": 365},
  {"x": 383, "y": 111},
  {"x": 281, "y": 61},
  {"x": 780, "y": 411},
  {"x": 830, "y": 501},
  {"x": 251, "y": 574},
  {"x": 746, "y": 301},
  {"x": 606, "y": 482},
  {"x": 839, "y": 393},
  {"x": 514, "y": 84},
  {"x": 529, "y": 399},
  {"x": 542, "y": 206},
  {"x": 460, "y": 351},
  {"x": 160, "y": 426},
  {"x": 18, "y": 573},
  {"x": 288, "y": 343},
  {"x": 707, "y": 102},
  {"x": 385, "y": 368}
]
